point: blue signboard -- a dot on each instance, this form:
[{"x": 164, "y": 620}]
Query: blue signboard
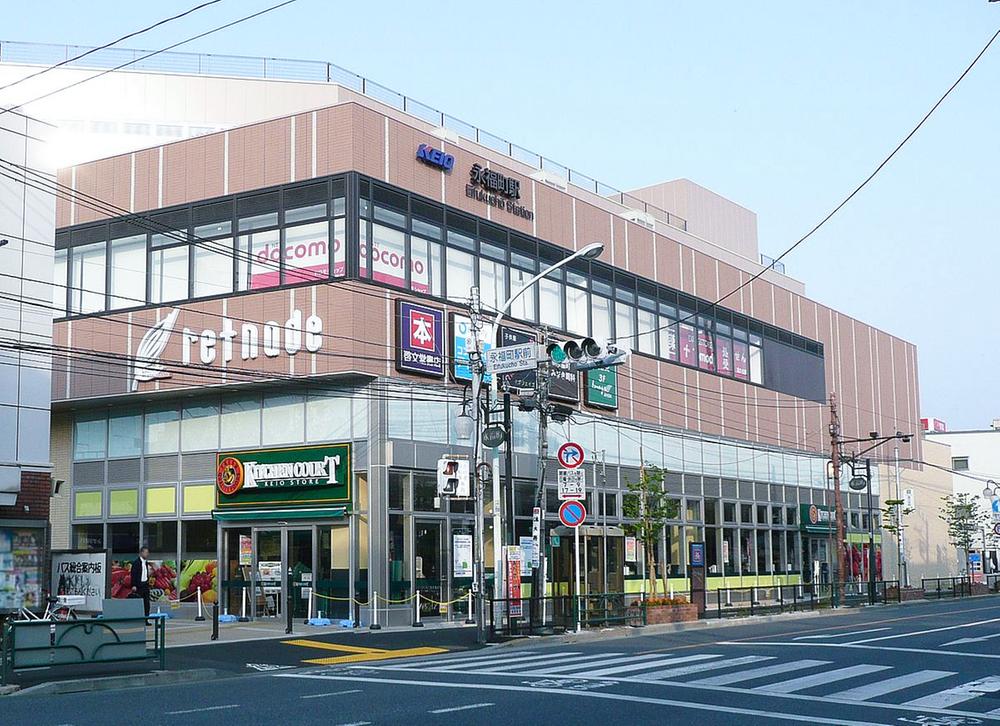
[
  {"x": 419, "y": 339},
  {"x": 435, "y": 157},
  {"x": 462, "y": 344},
  {"x": 697, "y": 554}
]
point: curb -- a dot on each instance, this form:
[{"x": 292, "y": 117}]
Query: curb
[
  {"x": 315, "y": 631},
  {"x": 108, "y": 683}
]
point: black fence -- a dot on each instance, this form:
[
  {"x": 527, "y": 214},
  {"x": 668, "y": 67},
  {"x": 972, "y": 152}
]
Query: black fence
[
  {"x": 516, "y": 617},
  {"x": 744, "y": 601},
  {"x": 937, "y": 588}
]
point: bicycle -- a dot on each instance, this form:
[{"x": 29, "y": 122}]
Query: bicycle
[{"x": 56, "y": 609}]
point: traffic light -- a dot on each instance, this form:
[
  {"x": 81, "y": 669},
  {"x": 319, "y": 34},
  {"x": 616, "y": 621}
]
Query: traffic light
[
  {"x": 585, "y": 353},
  {"x": 453, "y": 477}
]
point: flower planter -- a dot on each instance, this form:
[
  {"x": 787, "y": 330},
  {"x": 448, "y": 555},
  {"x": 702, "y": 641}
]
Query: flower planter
[
  {"x": 892, "y": 594},
  {"x": 658, "y": 614}
]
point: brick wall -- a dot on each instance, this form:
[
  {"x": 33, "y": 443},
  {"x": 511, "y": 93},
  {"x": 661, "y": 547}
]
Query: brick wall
[{"x": 33, "y": 501}]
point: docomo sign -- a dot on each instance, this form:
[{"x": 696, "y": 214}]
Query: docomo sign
[
  {"x": 389, "y": 266},
  {"x": 295, "y": 335}
]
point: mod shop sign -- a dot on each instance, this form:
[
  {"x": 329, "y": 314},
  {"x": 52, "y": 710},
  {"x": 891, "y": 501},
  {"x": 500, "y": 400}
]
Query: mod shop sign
[{"x": 307, "y": 475}]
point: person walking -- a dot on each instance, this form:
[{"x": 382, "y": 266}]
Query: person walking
[{"x": 140, "y": 578}]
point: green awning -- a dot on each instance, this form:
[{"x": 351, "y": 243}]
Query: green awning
[{"x": 275, "y": 515}]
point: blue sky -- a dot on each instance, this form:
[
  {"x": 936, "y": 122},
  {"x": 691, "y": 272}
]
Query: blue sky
[{"x": 780, "y": 106}]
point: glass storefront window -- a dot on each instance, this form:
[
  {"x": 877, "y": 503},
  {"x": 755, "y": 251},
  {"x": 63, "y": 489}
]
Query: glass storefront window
[
  {"x": 430, "y": 421},
  {"x": 461, "y": 274},
  {"x": 492, "y": 283},
  {"x": 128, "y": 271},
  {"x": 162, "y": 426},
  {"x": 59, "y": 271},
  {"x": 668, "y": 339},
  {"x": 647, "y": 332},
  {"x": 339, "y": 248},
  {"x": 161, "y": 538},
  {"x": 284, "y": 419},
  {"x": 87, "y": 537},
  {"x": 125, "y": 433},
  {"x": 199, "y": 427},
  {"x": 86, "y": 278},
  {"x": 426, "y": 274},
  {"x": 600, "y": 324},
  {"x": 90, "y": 436},
  {"x": 169, "y": 278},
  {"x": 240, "y": 422},
  {"x": 388, "y": 254},
  {"x": 550, "y": 303},
  {"x": 328, "y": 416},
  {"x": 692, "y": 510},
  {"x": 258, "y": 260},
  {"x": 424, "y": 492},
  {"x": 213, "y": 267},
  {"x": 524, "y": 307},
  {"x": 625, "y": 323},
  {"x": 199, "y": 565}
]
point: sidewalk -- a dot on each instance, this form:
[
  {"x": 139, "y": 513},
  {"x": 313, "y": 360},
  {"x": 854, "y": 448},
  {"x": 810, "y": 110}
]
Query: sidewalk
[{"x": 186, "y": 633}]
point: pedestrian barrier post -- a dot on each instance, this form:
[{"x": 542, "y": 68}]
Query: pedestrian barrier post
[
  {"x": 215, "y": 621},
  {"x": 416, "y": 611},
  {"x": 469, "y": 620},
  {"x": 200, "y": 617},
  {"x": 309, "y": 611},
  {"x": 243, "y": 606},
  {"x": 374, "y": 609}
]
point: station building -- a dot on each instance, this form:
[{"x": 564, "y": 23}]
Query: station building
[{"x": 284, "y": 304}]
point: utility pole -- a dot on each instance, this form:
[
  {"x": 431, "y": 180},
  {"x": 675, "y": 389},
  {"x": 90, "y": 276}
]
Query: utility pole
[
  {"x": 476, "y": 364},
  {"x": 838, "y": 574},
  {"x": 900, "y": 572},
  {"x": 543, "y": 381}
]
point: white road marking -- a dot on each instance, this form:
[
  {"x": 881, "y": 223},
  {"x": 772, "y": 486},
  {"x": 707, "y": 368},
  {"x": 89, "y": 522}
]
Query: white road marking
[
  {"x": 580, "y": 660},
  {"x": 643, "y": 666},
  {"x": 923, "y": 632},
  {"x": 962, "y": 641},
  {"x": 605, "y": 695},
  {"x": 818, "y": 679},
  {"x": 462, "y": 708},
  {"x": 332, "y": 693},
  {"x": 839, "y": 635},
  {"x": 964, "y": 692},
  {"x": 930, "y": 651},
  {"x": 639, "y": 660},
  {"x": 701, "y": 667},
  {"x": 890, "y": 685},
  {"x": 206, "y": 708},
  {"x": 748, "y": 675},
  {"x": 478, "y": 662},
  {"x": 434, "y": 661}
]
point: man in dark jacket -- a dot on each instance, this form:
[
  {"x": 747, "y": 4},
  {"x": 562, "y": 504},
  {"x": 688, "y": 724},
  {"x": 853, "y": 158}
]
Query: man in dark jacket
[{"x": 140, "y": 578}]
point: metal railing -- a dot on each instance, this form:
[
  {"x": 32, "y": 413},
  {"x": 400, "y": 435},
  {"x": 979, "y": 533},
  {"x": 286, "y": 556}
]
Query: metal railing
[
  {"x": 318, "y": 72},
  {"x": 743, "y": 601},
  {"x": 45, "y": 643},
  {"x": 516, "y": 617}
]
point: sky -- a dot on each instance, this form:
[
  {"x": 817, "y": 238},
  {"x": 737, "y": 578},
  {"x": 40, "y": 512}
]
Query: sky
[{"x": 783, "y": 107}]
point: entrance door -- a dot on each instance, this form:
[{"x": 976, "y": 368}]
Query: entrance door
[
  {"x": 299, "y": 562},
  {"x": 430, "y": 575},
  {"x": 267, "y": 590}
]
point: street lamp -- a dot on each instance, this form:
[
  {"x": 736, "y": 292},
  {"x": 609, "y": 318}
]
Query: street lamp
[{"x": 591, "y": 251}]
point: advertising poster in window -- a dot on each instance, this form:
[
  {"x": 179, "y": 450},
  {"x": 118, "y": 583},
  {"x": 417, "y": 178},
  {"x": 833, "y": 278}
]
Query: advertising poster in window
[
  {"x": 670, "y": 341},
  {"x": 688, "y": 345},
  {"x": 462, "y": 343},
  {"x": 306, "y": 257},
  {"x": 389, "y": 261},
  {"x": 246, "y": 550},
  {"x": 21, "y": 553},
  {"x": 461, "y": 555},
  {"x": 162, "y": 578},
  {"x": 724, "y": 355},
  {"x": 81, "y": 573},
  {"x": 741, "y": 360},
  {"x": 706, "y": 351},
  {"x": 419, "y": 339}
]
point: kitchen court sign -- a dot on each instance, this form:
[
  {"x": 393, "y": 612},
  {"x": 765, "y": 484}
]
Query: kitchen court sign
[{"x": 306, "y": 475}]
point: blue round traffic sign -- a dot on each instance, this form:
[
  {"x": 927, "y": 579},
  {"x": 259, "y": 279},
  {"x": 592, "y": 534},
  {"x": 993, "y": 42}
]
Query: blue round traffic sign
[
  {"x": 570, "y": 455},
  {"x": 572, "y": 513}
]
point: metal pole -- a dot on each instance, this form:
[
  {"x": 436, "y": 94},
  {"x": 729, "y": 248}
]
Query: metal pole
[
  {"x": 477, "y": 383},
  {"x": 542, "y": 382},
  {"x": 900, "y": 572},
  {"x": 838, "y": 503},
  {"x": 576, "y": 568},
  {"x": 871, "y": 536},
  {"x": 604, "y": 515}
]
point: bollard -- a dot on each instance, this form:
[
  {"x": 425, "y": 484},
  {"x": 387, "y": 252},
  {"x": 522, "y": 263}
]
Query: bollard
[
  {"x": 288, "y": 612},
  {"x": 200, "y": 617},
  {"x": 416, "y": 611},
  {"x": 243, "y": 606},
  {"x": 671, "y": 592},
  {"x": 469, "y": 620},
  {"x": 374, "y": 609},
  {"x": 215, "y": 621},
  {"x": 729, "y": 598},
  {"x": 309, "y": 612}
]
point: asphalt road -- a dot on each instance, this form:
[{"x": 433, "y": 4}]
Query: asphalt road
[{"x": 929, "y": 663}]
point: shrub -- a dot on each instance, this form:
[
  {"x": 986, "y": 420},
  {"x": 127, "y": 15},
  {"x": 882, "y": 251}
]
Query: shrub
[{"x": 665, "y": 601}]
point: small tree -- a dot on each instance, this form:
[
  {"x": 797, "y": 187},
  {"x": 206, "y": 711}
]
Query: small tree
[
  {"x": 965, "y": 519},
  {"x": 647, "y": 503}
]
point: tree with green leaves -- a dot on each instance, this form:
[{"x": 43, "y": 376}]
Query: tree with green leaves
[
  {"x": 966, "y": 520},
  {"x": 648, "y": 504}
]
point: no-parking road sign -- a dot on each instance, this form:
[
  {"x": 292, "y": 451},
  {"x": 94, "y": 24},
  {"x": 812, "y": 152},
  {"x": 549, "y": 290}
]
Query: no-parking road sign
[
  {"x": 572, "y": 513},
  {"x": 570, "y": 455}
]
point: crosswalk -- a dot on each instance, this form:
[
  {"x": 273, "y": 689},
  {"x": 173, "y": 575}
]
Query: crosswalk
[{"x": 760, "y": 674}]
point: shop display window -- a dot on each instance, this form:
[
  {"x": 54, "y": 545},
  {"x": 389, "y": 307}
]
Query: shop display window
[{"x": 22, "y": 562}]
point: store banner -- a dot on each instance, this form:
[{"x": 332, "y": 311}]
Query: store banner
[
  {"x": 602, "y": 388},
  {"x": 514, "y": 606},
  {"x": 81, "y": 572},
  {"x": 631, "y": 549},
  {"x": 706, "y": 351},
  {"x": 724, "y": 355},
  {"x": 419, "y": 339},
  {"x": 741, "y": 360},
  {"x": 461, "y": 555},
  {"x": 246, "y": 550},
  {"x": 463, "y": 343},
  {"x": 688, "y": 345},
  {"x": 304, "y": 475}
]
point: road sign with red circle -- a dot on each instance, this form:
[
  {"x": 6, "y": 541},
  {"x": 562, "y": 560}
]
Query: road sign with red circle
[
  {"x": 996, "y": 528},
  {"x": 570, "y": 455},
  {"x": 572, "y": 513}
]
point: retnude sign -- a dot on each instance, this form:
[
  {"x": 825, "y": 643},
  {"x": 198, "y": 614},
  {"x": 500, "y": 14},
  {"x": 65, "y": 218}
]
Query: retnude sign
[
  {"x": 301, "y": 475},
  {"x": 210, "y": 346},
  {"x": 419, "y": 339}
]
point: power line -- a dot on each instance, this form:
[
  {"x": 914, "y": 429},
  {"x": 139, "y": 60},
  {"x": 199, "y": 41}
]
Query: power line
[{"x": 107, "y": 45}]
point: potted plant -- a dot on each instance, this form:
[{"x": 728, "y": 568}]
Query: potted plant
[{"x": 669, "y": 610}]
